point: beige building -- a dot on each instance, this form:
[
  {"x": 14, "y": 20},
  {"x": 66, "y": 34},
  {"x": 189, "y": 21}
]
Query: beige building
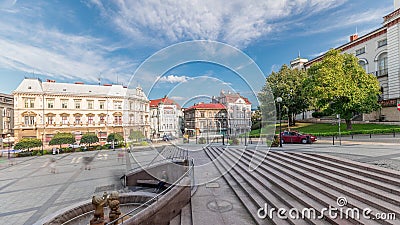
[
  {"x": 206, "y": 120},
  {"x": 6, "y": 118},
  {"x": 41, "y": 109},
  {"x": 166, "y": 117}
]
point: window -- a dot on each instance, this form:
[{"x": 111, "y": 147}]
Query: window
[
  {"x": 77, "y": 104},
  {"x": 202, "y": 114},
  {"x": 64, "y": 120},
  {"x": 29, "y": 120},
  {"x": 102, "y": 103},
  {"x": 50, "y": 103},
  {"x": 90, "y": 104},
  {"x": 102, "y": 119},
  {"x": 50, "y": 120},
  {"x": 29, "y": 102},
  {"x": 360, "y": 51},
  {"x": 382, "y": 43},
  {"x": 64, "y": 103},
  {"x": 363, "y": 64},
  {"x": 382, "y": 65},
  {"x": 117, "y": 105},
  {"x": 90, "y": 119},
  {"x": 117, "y": 119},
  {"x": 77, "y": 119}
]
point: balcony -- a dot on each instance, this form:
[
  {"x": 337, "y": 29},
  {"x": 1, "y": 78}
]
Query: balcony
[{"x": 381, "y": 73}]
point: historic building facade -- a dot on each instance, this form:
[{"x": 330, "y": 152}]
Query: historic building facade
[
  {"x": 6, "y": 118},
  {"x": 165, "y": 117},
  {"x": 378, "y": 53},
  {"x": 205, "y": 120},
  {"x": 238, "y": 112},
  {"x": 41, "y": 109}
]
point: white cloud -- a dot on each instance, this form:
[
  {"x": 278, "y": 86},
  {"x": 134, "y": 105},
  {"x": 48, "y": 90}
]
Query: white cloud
[
  {"x": 29, "y": 46},
  {"x": 178, "y": 98},
  {"x": 236, "y": 22},
  {"x": 173, "y": 79}
]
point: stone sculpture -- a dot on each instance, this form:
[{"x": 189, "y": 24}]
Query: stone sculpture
[
  {"x": 113, "y": 203},
  {"x": 98, "y": 204}
]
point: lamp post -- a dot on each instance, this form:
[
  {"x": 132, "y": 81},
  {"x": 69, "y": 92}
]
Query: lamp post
[
  {"x": 245, "y": 126},
  {"x": 8, "y": 143},
  {"x": 279, "y": 101},
  {"x": 42, "y": 141}
]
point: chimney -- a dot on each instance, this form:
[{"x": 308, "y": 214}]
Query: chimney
[
  {"x": 50, "y": 81},
  {"x": 353, "y": 37},
  {"x": 79, "y": 83},
  {"x": 107, "y": 85}
]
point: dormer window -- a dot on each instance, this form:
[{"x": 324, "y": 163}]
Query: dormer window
[{"x": 29, "y": 87}]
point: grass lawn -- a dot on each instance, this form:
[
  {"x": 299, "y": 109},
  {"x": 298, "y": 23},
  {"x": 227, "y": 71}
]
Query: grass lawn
[{"x": 328, "y": 128}]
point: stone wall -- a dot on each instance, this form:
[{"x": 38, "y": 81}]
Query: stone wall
[{"x": 166, "y": 208}]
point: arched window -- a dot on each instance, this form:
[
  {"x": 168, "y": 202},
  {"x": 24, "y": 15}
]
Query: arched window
[
  {"x": 382, "y": 64},
  {"x": 363, "y": 64}
]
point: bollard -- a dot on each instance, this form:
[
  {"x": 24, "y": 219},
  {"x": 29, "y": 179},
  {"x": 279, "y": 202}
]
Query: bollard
[
  {"x": 351, "y": 135},
  {"x": 370, "y": 136},
  {"x": 394, "y": 134},
  {"x": 333, "y": 140}
]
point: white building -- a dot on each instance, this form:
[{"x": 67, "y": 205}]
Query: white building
[
  {"x": 165, "y": 117},
  {"x": 378, "y": 53},
  {"x": 239, "y": 112},
  {"x": 41, "y": 109}
]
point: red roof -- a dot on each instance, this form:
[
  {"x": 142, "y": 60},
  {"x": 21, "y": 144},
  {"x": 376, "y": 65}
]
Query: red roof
[
  {"x": 246, "y": 100},
  {"x": 165, "y": 100},
  {"x": 207, "y": 106}
]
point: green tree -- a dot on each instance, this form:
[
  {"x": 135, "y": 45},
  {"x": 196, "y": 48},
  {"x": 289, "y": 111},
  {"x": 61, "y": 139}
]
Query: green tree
[
  {"x": 28, "y": 143},
  {"x": 62, "y": 138},
  {"x": 288, "y": 84},
  {"x": 136, "y": 135},
  {"x": 115, "y": 137},
  {"x": 339, "y": 85},
  {"x": 89, "y": 139}
]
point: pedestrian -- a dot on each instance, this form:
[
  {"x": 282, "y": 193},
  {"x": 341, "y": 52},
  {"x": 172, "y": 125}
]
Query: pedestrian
[
  {"x": 86, "y": 162},
  {"x": 54, "y": 150},
  {"x": 52, "y": 165}
]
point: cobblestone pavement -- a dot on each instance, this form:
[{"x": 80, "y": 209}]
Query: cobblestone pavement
[{"x": 29, "y": 190}]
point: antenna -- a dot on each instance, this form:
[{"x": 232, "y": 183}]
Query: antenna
[
  {"x": 117, "y": 79},
  {"x": 299, "y": 54}
]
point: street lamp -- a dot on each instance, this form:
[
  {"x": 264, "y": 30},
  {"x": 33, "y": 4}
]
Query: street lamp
[
  {"x": 245, "y": 126},
  {"x": 42, "y": 141},
  {"x": 8, "y": 142},
  {"x": 279, "y": 101}
]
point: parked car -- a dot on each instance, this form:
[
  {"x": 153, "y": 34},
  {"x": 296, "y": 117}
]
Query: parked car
[
  {"x": 296, "y": 137},
  {"x": 74, "y": 145}
]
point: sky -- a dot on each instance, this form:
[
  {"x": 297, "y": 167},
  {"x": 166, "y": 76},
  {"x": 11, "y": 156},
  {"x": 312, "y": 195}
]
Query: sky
[{"x": 187, "y": 50}]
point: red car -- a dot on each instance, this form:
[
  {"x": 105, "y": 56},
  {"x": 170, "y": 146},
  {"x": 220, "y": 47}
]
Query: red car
[{"x": 296, "y": 137}]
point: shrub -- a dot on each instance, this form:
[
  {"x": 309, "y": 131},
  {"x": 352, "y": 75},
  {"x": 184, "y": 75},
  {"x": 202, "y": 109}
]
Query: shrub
[
  {"x": 144, "y": 143},
  {"x": 202, "y": 140},
  {"x": 235, "y": 141}
]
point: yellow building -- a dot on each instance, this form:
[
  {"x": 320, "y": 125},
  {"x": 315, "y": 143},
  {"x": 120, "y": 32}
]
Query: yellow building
[{"x": 41, "y": 109}]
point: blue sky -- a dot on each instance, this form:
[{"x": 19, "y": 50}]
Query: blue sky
[{"x": 84, "y": 40}]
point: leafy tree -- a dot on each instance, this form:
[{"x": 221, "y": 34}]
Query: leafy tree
[
  {"x": 115, "y": 137},
  {"x": 62, "y": 138},
  {"x": 339, "y": 85},
  {"x": 288, "y": 84},
  {"x": 28, "y": 143},
  {"x": 89, "y": 139},
  {"x": 136, "y": 135},
  {"x": 256, "y": 118}
]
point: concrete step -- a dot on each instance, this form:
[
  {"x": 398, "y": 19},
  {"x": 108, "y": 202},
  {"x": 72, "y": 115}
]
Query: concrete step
[
  {"x": 356, "y": 186},
  {"x": 315, "y": 200},
  {"x": 394, "y": 189},
  {"x": 275, "y": 198},
  {"x": 363, "y": 166},
  {"x": 238, "y": 186},
  {"x": 176, "y": 220},
  {"x": 186, "y": 215},
  {"x": 367, "y": 170},
  {"x": 309, "y": 177}
]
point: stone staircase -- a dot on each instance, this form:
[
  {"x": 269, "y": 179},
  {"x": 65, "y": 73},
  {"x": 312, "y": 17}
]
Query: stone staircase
[
  {"x": 312, "y": 181},
  {"x": 173, "y": 152},
  {"x": 184, "y": 218}
]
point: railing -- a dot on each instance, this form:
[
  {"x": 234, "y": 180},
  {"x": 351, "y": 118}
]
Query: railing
[
  {"x": 189, "y": 173},
  {"x": 382, "y": 72}
]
